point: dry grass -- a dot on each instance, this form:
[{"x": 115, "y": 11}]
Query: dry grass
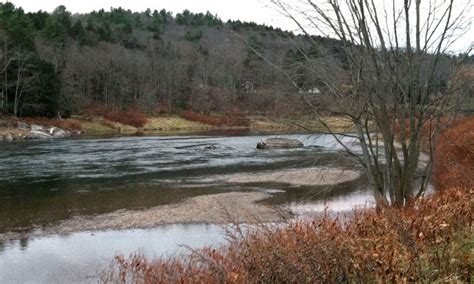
[
  {"x": 232, "y": 119},
  {"x": 430, "y": 242},
  {"x": 336, "y": 124},
  {"x": 172, "y": 123},
  {"x": 96, "y": 125},
  {"x": 132, "y": 117}
]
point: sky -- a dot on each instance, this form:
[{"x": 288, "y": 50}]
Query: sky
[{"x": 245, "y": 10}]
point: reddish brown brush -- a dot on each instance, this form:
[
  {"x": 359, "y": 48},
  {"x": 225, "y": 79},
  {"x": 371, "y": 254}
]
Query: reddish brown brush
[
  {"x": 133, "y": 117},
  {"x": 454, "y": 157},
  {"x": 230, "y": 119},
  {"x": 431, "y": 241},
  {"x": 68, "y": 124}
]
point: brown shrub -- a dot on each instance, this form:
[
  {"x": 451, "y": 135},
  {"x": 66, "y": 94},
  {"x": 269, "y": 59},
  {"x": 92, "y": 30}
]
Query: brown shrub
[
  {"x": 230, "y": 119},
  {"x": 425, "y": 243},
  {"x": 133, "y": 117},
  {"x": 454, "y": 157}
]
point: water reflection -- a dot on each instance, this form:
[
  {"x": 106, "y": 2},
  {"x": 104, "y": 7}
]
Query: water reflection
[{"x": 81, "y": 257}]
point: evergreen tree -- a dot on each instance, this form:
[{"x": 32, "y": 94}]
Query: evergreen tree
[{"x": 58, "y": 26}]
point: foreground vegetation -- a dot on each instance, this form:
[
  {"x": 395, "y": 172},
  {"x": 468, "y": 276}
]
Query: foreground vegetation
[{"x": 431, "y": 241}]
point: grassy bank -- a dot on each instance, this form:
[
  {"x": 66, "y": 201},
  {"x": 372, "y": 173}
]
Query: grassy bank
[{"x": 112, "y": 125}]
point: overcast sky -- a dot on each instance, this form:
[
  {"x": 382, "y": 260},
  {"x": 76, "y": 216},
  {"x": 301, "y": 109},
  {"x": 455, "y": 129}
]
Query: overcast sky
[{"x": 244, "y": 10}]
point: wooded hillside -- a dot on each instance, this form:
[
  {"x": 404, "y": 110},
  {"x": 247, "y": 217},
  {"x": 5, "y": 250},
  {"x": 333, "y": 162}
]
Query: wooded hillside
[
  {"x": 61, "y": 63},
  {"x": 153, "y": 60}
]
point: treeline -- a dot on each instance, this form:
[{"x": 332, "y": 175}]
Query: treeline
[{"x": 60, "y": 63}]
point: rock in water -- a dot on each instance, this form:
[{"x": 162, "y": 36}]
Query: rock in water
[
  {"x": 280, "y": 143},
  {"x": 261, "y": 145}
]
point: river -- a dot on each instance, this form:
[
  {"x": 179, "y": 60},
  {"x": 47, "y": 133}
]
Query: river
[{"x": 44, "y": 182}]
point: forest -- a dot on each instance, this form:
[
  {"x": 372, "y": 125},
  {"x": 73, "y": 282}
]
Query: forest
[{"x": 57, "y": 64}]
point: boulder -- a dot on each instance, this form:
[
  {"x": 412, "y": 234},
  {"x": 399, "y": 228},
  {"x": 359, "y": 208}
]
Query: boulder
[
  {"x": 40, "y": 135},
  {"x": 279, "y": 143},
  {"x": 22, "y": 126},
  {"x": 59, "y": 133},
  {"x": 8, "y": 138},
  {"x": 35, "y": 127}
]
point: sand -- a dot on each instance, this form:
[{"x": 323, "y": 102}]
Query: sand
[
  {"x": 224, "y": 208},
  {"x": 305, "y": 177}
]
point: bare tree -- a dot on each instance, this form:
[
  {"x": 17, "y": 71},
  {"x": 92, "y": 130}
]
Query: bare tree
[
  {"x": 23, "y": 76},
  {"x": 394, "y": 89},
  {"x": 4, "y": 63}
]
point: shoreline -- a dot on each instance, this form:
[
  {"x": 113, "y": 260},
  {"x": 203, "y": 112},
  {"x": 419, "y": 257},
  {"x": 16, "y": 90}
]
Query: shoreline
[{"x": 17, "y": 129}]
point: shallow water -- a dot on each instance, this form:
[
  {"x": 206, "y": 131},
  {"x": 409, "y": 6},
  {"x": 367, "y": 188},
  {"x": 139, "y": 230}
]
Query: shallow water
[
  {"x": 48, "y": 181},
  {"x": 43, "y": 182}
]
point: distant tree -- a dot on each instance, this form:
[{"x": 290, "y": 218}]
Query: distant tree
[
  {"x": 20, "y": 31},
  {"x": 58, "y": 26},
  {"x": 24, "y": 77},
  {"x": 156, "y": 25},
  {"x": 39, "y": 19},
  {"x": 78, "y": 33}
]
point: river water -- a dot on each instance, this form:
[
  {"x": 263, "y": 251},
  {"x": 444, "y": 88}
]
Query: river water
[{"x": 43, "y": 182}]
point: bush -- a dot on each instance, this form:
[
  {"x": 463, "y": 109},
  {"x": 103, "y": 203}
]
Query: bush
[
  {"x": 454, "y": 156},
  {"x": 133, "y": 117},
  {"x": 231, "y": 119},
  {"x": 428, "y": 242}
]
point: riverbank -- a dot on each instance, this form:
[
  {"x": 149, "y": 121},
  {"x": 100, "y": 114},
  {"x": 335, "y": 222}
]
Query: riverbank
[{"x": 93, "y": 125}]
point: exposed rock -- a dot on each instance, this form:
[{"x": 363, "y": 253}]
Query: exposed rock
[
  {"x": 58, "y": 132},
  {"x": 35, "y": 127},
  {"x": 8, "y": 138},
  {"x": 279, "y": 143},
  {"x": 22, "y": 126},
  {"x": 40, "y": 135}
]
